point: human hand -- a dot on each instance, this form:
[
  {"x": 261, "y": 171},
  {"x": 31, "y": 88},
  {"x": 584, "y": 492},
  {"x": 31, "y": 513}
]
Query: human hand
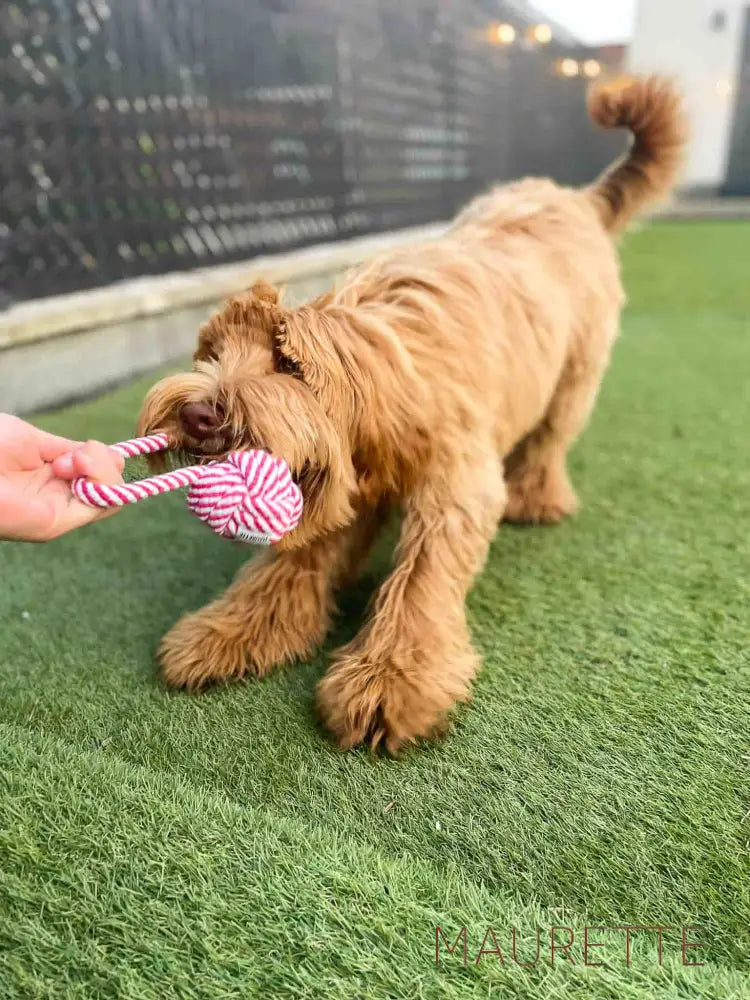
[{"x": 36, "y": 502}]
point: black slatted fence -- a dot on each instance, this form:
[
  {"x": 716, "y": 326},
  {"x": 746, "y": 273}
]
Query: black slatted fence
[{"x": 143, "y": 136}]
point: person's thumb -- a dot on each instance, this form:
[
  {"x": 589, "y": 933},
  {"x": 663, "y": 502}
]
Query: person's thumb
[{"x": 92, "y": 460}]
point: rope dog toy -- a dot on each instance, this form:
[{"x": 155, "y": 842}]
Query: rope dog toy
[{"x": 249, "y": 497}]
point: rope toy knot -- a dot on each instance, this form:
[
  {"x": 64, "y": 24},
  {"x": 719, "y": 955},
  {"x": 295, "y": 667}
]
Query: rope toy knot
[{"x": 249, "y": 497}]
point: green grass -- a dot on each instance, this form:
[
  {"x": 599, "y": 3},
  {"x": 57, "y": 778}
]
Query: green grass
[{"x": 156, "y": 845}]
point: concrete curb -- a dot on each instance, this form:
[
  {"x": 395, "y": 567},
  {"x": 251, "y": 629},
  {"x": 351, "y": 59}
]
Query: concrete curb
[{"x": 700, "y": 209}]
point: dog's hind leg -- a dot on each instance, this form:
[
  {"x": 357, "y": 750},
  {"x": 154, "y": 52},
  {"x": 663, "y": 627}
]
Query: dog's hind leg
[
  {"x": 400, "y": 676},
  {"x": 539, "y": 488}
]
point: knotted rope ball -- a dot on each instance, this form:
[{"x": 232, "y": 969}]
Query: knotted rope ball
[{"x": 249, "y": 497}]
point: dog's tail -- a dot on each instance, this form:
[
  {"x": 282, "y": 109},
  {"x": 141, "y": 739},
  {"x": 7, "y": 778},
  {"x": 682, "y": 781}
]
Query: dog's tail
[{"x": 652, "y": 108}]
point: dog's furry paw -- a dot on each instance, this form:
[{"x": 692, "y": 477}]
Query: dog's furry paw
[
  {"x": 389, "y": 705},
  {"x": 206, "y": 648},
  {"x": 533, "y": 502},
  {"x": 201, "y": 650}
]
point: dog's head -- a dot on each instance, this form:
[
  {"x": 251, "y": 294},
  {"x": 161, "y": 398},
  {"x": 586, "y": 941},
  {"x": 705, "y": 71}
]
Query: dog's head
[{"x": 267, "y": 377}]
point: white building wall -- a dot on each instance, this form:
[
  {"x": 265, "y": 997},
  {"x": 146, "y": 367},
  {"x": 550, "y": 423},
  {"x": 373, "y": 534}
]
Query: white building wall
[{"x": 676, "y": 37}]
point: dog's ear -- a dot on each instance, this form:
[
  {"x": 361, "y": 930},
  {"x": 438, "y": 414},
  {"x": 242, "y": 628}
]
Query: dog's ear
[
  {"x": 303, "y": 346},
  {"x": 209, "y": 339},
  {"x": 286, "y": 360},
  {"x": 324, "y": 351},
  {"x": 287, "y": 357},
  {"x": 265, "y": 292}
]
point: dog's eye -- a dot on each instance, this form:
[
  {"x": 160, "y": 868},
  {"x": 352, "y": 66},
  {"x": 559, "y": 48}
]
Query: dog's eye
[{"x": 285, "y": 365}]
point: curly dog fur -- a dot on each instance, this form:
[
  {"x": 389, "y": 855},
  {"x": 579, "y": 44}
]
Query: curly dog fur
[{"x": 449, "y": 379}]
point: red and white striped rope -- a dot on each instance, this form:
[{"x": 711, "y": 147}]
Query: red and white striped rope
[
  {"x": 142, "y": 446},
  {"x": 103, "y": 495},
  {"x": 250, "y": 497}
]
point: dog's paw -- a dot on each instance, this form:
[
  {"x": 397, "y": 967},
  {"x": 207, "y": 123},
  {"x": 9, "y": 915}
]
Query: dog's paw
[
  {"x": 532, "y": 502},
  {"x": 200, "y": 650},
  {"x": 217, "y": 644},
  {"x": 390, "y": 704}
]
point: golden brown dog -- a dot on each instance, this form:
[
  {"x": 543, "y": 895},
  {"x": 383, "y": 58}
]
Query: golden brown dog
[{"x": 449, "y": 379}]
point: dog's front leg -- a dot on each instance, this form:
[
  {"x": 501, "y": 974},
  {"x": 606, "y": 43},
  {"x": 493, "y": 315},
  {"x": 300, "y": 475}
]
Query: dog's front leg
[
  {"x": 398, "y": 679},
  {"x": 276, "y": 610}
]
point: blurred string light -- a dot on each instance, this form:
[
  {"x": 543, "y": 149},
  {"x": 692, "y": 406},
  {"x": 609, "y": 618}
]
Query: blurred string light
[
  {"x": 506, "y": 34},
  {"x": 541, "y": 33},
  {"x": 502, "y": 34},
  {"x": 592, "y": 68},
  {"x": 568, "y": 68},
  {"x": 571, "y": 68}
]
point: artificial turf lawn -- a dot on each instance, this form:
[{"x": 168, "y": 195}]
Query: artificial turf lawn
[{"x": 155, "y": 845}]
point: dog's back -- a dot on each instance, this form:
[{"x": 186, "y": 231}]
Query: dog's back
[{"x": 527, "y": 280}]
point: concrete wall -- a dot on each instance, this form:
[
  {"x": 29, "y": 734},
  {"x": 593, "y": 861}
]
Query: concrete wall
[{"x": 676, "y": 37}]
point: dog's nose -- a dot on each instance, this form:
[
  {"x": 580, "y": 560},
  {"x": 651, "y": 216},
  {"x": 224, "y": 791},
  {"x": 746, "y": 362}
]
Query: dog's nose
[{"x": 200, "y": 420}]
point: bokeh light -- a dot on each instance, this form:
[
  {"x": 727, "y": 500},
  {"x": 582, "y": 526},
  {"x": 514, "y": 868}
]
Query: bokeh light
[
  {"x": 568, "y": 68},
  {"x": 504, "y": 34},
  {"x": 592, "y": 68}
]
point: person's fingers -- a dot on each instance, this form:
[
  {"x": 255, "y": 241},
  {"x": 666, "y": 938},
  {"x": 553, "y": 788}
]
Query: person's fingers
[
  {"x": 63, "y": 466},
  {"x": 51, "y": 446},
  {"x": 96, "y": 461},
  {"x": 93, "y": 460},
  {"x": 82, "y": 463},
  {"x": 42, "y": 519},
  {"x": 45, "y": 507}
]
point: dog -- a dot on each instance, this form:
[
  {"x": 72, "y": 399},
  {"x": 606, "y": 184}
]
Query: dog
[{"x": 447, "y": 379}]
